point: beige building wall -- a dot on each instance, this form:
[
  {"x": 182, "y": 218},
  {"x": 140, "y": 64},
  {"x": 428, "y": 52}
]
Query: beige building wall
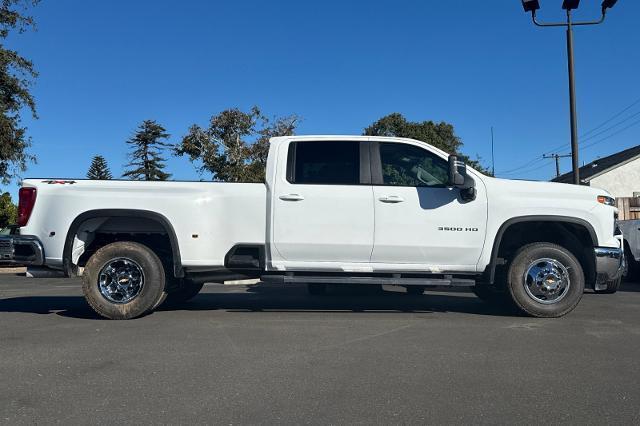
[{"x": 622, "y": 181}]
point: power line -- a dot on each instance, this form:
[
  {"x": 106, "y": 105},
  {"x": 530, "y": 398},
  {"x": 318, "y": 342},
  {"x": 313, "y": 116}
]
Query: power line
[
  {"x": 599, "y": 126},
  {"x": 589, "y": 145},
  {"x": 531, "y": 168},
  {"x": 543, "y": 166},
  {"x": 611, "y": 127},
  {"x": 516, "y": 169},
  {"x": 608, "y": 120},
  {"x": 636, "y": 102}
]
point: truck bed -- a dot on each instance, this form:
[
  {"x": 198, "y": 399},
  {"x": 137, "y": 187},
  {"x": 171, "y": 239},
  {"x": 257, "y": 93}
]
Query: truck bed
[{"x": 208, "y": 218}]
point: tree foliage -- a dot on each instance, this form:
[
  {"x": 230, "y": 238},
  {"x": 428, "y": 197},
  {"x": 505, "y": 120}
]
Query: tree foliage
[
  {"x": 234, "y": 147},
  {"x": 99, "y": 169},
  {"x": 146, "y": 160},
  {"x": 8, "y": 211},
  {"x": 16, "y": 76},
  {"x": 441, "y": 135}
]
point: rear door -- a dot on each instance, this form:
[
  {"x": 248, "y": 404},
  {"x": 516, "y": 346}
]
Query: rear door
[{"x": 323, "y": 207}]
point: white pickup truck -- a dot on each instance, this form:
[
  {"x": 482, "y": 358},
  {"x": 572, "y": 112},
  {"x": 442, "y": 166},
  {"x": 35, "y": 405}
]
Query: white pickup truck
[{"x": 334, "y": 210}]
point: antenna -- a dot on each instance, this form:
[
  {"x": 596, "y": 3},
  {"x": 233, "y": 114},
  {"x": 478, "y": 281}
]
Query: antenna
[{"x": 493, "y": 160}]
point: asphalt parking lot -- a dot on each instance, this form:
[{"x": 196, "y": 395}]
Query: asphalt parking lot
[{"x": 270, "y": 354}]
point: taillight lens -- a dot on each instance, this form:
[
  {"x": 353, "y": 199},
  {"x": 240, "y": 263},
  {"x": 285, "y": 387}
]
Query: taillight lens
[{"x": 26, "y": 201}]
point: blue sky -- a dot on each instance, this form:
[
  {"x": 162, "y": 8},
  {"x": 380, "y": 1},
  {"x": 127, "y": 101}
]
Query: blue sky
[{"x": 106, "y": 66}]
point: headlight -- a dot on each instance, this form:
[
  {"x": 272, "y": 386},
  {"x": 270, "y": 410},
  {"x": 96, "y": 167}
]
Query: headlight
[{"x": 605, "y": 199}]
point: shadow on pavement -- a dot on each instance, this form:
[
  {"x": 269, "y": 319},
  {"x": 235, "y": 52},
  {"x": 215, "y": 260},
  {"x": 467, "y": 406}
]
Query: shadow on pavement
[
  {"x": 72, "y": 306},
  {"x": 632, "y": 287},
  {"x": 269, "y": 298}
]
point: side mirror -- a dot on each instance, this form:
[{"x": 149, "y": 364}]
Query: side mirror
[
  {"x": 457, "y": 172},
  {"x": 458, "y": 179}
]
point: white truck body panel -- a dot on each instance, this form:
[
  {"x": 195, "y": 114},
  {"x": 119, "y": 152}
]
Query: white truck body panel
[
  {"x": 219, "y": 214},
  {"x": 331, "y": 227}
]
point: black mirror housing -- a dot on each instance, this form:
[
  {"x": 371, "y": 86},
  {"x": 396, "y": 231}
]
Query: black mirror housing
[{"x": 457, "y": 172}]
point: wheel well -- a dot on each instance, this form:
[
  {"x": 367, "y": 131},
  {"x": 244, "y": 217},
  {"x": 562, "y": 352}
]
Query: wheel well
[
  {"x": 93, "y": 230},
  {"x": 575, "y": 237}
]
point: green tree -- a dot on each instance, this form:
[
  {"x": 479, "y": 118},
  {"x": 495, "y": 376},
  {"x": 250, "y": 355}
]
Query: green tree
[
  {"x": 99, "y": 169},
  {"x": 259, "y": 150},
  {"x": 441, "y": 135},
  {"x": 8, "y": 211},
  {"x": 16, "y": 76},
  {"x": 146, "y": 161},
  {"x": 235, "y": 145}
]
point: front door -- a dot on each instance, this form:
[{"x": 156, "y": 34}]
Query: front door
[
  {"x": 418, "y": 219},
  {"x": 323, "y": 208}
]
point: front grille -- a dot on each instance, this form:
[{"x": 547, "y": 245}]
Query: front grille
[{"x": 5, "y": 245}]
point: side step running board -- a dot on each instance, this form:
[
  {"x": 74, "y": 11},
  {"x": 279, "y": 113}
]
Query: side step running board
[{"x": 448, "y": 280}]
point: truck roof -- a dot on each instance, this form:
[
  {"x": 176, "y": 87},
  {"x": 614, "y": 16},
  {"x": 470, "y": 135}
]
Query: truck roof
[{"x": 302, "y": 138}]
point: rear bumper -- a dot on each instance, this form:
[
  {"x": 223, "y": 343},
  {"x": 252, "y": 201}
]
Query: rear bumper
[
  {"x": 22, "y": 249},
  {"x": 609, "y": 265}
]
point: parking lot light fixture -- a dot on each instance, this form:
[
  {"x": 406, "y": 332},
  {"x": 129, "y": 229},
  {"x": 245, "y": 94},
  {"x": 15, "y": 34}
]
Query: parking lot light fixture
[
  {"x": 570, "y": 4},
  {"x": 530, "y": 5}
]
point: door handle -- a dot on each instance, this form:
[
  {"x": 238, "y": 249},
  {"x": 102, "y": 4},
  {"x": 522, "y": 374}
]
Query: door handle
[
  {"x": 391, "y": 199},
  {"x": 292, "y": 197}
]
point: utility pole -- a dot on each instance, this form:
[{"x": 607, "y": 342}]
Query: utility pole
[
  {"x": 557, "y": 157},
  {"x": 568, "y": 5},
  {"x": 573, "y": 115}
]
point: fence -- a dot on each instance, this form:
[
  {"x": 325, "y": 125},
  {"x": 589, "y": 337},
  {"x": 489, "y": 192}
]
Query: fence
[{"x": 629, "y": 208}]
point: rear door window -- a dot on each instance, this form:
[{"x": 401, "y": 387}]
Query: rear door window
[{"x": 324, "y": 163}]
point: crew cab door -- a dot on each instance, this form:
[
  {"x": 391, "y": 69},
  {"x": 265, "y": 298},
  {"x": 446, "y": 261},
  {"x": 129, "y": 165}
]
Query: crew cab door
[
  {"x": 418, "y": 219},
  {"x": 323, "y": 204}
]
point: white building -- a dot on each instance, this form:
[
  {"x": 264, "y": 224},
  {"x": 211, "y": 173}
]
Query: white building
[{"x": 619, "y": 174}]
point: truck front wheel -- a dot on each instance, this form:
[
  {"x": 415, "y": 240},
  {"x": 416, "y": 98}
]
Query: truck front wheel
[
  {"x": 545, "y": 280},
  {"x": 124, "y": 280}
]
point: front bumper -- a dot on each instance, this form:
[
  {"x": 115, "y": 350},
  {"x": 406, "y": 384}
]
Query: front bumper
[
  {"x": 609, "y": 265},
  {"x": 22, "y": 249}
]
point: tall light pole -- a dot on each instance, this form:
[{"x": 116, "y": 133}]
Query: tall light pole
[{"x": 569, "y": 5}]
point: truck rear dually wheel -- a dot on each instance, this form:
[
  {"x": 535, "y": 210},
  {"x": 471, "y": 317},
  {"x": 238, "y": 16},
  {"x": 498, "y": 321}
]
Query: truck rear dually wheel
[
  {"x": 124, "y": 280},
  {"x": 545, "y": 280}
]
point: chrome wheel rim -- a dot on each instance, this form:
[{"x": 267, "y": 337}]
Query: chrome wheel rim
[
  {"x": 547, "y": 281},
  {"x": 120, "y": 280}
]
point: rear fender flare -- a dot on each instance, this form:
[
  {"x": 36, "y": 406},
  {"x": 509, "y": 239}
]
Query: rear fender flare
[{"x": 108, "y": 213}]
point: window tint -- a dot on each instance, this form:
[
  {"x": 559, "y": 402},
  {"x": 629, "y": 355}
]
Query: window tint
[
  {"x": 321, "y": 162},
  {"x": 409, "y": 165}
]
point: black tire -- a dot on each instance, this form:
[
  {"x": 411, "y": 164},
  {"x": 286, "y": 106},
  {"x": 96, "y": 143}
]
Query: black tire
[
  {"x": 630, "y": 274},
  {"x": 526, "y": 257},
  {"x": 151, "y": 293},
  {"x": 184, "y": 291},
  {"x": 317, "y": 289},
  {"x": 415, "y": 290},
  {"x": 612, "y": 287}
]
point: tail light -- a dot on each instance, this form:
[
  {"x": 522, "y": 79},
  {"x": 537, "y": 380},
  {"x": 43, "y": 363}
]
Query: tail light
[{"x": 26, "y": 201}]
